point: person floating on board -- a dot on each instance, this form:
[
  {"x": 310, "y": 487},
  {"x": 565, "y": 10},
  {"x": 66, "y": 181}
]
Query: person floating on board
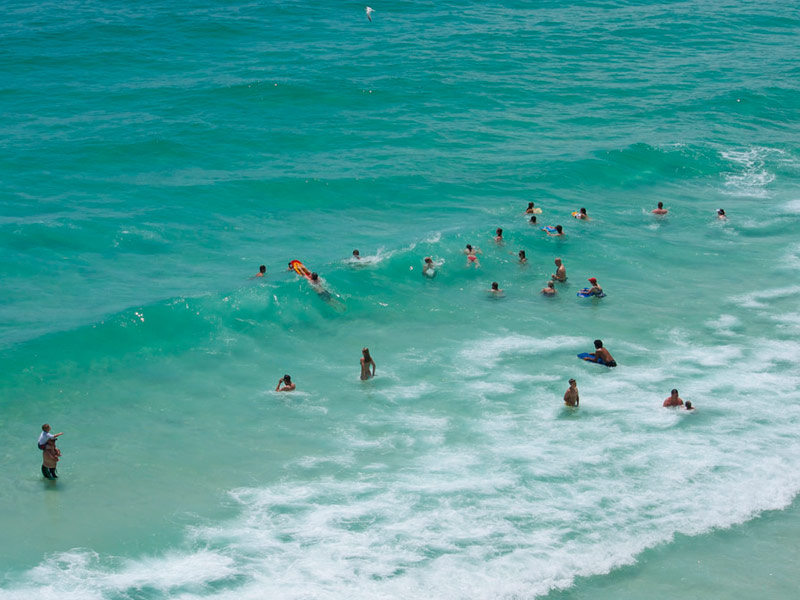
[
  {"x": 46, "y": 436},
  {"x": 660, "y": 210},
  {"x": 559, "y": 232},
  {"x": 549, "y": 289},
  {"x": 50, "y": 457},
  {"x": 600, "y": 355},
  {"x": 571, "y": 396},
  {"x": 673, "y": 400},
  {"x": 472, "y": 256},
  {"x": 366, "y": 362},
  {"x": 595, "y": 290},
  {"x": 288, "y": 385},
  {"x": 561, "y": 272}
]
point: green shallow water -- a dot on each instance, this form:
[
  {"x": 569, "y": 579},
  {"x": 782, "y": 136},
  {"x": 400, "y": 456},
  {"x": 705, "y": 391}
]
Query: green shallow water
[{"x": 155, "y": 155}]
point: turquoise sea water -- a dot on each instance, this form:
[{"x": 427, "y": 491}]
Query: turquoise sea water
[{"x": 155, "y": 154}]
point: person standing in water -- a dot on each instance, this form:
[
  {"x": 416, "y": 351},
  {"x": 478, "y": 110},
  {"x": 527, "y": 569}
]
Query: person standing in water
[
  {"x": 571, "y": 396},
  {"x": 366, "y": 362},
  {"x": 50, "y": 457},
  {"x": 549, "y": 289},
  {"x": 673, "y": 400},
  {"x": 660, "y": 210},
  {"x": 288, "y": 385},
  {"x": 561, "y": 272},
  {"x": 498, "y": 236}
]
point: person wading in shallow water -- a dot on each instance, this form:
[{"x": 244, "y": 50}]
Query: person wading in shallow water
[
  {"x": 571, "y": 397},
  {"x": 366, "y": 361},
  {"x": 288, "y": 386}
]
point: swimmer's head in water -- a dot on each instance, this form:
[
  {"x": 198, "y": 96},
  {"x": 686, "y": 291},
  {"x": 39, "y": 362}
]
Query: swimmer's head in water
[
  {"x": 550, "y": 284},
  {"x": 314, "y": 277},
  {"x": 495, "y": 285},
  {"x": 689, "y": 406},
  {"x": 469, "y": 247},
  {"x": 533, "y": 218},
  {"x": 593, "y": 280},
  {"x": 287, "y": 379},
  {"x": 499, "y": 232},
  {"x": 530, "y": 204},
  {"x": 262, "y": 269},
  {"x": 522, "y": 254},
  {"x": 355, "y": 253},
  {"x": 559, "y": 229},
  {"x": 598, "y": 344},
  {"x": 583, "y": 211},
  {"x": 721, "y": 212},
  {"x": 674, "y": 392},
  {"x": 428, "y": 260},
  {"x": 660, "y": 205}
]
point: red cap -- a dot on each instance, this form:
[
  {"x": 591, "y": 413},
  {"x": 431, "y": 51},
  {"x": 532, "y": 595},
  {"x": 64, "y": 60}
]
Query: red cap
[{"x": 592, "y": 280}]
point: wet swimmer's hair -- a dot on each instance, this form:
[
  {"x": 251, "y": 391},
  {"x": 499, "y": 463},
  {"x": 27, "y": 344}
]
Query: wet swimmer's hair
[
  {"x": 530, "y": 204},
  {"x": 499, "y": 232},
  {"x": 356, "y": 253},
  {"x": 688, "y": 405},
  {"x": 314, "y": 277},
  {"x": 675, "y": 392},
  {"x": 495, "y": 286},
  {"x": 287, "y": 379},
  {"x": 262, "y": 269},
  {"x": 660, "y": 205},
  {"x": 583, "y": 211},
  {"x": 533, "y": 218},
  {"x": 598, "y": 344},
  {"x": 521, "y": 254},
  {"x": 559, "y": 229},
  {"x": 721, "y": 212},
  {"x": 428, "y": 260},
  {"x": 469, "y": 247}
]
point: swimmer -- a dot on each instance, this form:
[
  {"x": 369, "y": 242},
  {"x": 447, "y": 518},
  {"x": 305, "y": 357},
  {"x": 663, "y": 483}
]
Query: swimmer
[
  {"x": 559, "y": 232},
  {"x": 498, "y": 236},
  {"x": 366, "y": 361},
  {"x": 533, "y": 220},
  {"x": 288, "y": 385},
  {"x": 356, "y": 255},
  {"x": 721, "y": 214},
  {"x": 660, "y": 210},
  {"x": 549, "y": 289},
  {"x": 495, "y": 291},
  {"x": 262, "y": 270},
  {"x": 601, "y": 355},
  {"x": 561, "y": 272},
  {"x": 472, "y": 256},
  {"x": 530, "y": 210},
  {"x": 688, "y": 405},
  {"x": 571, "y": 396},
  {"x": 673, "y": 400},
  {"x": 46, "y": 436},
  {"x": 595, "y": 290},
  {"x": 581, "y": 215},
  {"x": 429, "y": 268},
  {"x": 523, "y": 260},
  {"x": 316, "y": 283}
]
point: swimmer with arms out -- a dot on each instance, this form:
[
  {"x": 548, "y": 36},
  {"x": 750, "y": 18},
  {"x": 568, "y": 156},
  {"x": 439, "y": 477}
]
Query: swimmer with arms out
[
  {"x": 366, "y": 361},
  {"x": 571, "y": 396},
  {"x": 496, "y": 292},
  {"x": 601, "y": 355},
  {"x": 561, "y": 272},
  {"x": 673, "y": 400},
  {"x": 660, "y": 210},
  {"x": 549, "y": 289},
  {"x": 559, "y": 232},
  {"x": 472, "y": 256},
  {"x": 288, "y": 385}
]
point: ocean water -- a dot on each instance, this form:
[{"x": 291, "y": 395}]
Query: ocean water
[{"x": 154, "y": 154}]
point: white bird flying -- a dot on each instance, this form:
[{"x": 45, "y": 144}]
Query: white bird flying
[{"x": 369, "y": 12}]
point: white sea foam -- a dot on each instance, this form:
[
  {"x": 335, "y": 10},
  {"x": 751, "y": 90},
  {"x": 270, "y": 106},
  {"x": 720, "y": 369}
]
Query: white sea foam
[{"x": 753, "y": 177}]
